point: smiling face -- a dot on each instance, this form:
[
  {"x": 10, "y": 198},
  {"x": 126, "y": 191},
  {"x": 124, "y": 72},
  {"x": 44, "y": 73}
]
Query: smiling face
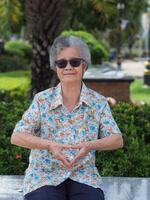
[{"x": 69, "y": 73}]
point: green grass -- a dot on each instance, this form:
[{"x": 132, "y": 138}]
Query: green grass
[
  {"x": 139, "y": 93},
  {"x": 15, "y": 79},
  {"x": 21, "y": 79}
]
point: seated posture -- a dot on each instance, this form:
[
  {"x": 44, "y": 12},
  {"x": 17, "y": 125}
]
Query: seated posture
[{"x": 64, "y": 127}]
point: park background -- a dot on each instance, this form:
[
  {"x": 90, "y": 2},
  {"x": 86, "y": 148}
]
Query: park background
[{"x": 115, "y": 35}]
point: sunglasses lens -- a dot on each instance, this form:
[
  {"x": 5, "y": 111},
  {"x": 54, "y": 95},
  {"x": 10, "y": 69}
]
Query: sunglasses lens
[
  {"x": 75, "y": 62},
  {"x": 61, "y": 63}
]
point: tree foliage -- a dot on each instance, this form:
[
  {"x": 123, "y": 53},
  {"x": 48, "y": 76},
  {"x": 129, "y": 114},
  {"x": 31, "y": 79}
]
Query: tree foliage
[
  {"x": 10, "y": 16},
  {"x": 103, "y": 15},
  {"x": 132, "y": 13},
  {"x": 99, "y": 14}
]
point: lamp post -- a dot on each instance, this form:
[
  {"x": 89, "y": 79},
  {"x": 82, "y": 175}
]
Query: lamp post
[
  {"x": 147, "y": 63},
  {"x": 120, "y": 7}
]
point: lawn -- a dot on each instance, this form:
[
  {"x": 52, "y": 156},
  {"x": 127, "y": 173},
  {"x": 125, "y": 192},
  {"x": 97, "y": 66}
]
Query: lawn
[
  {"x": 139, "y": 92},
  {"x": 21, "y": 79},
  {"x": 15, "y": 79}
]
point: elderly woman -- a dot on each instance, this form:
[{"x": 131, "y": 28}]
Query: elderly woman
[{"x": 61, "y": 128}]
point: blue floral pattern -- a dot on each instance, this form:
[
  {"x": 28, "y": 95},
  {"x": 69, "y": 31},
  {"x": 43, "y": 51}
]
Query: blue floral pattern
[{"x": 48, "y": 118}]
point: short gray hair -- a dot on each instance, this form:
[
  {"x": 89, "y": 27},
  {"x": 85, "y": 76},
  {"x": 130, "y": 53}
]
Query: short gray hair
[{"x": 63, "y": 42}]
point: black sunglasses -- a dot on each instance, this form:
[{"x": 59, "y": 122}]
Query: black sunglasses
[{"x": 74, "y": 62}]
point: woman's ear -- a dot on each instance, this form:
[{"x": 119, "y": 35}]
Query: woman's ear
[{"x": 85, "y": 67}]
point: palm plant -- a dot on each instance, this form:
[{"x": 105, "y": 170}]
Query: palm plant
[
  {"x": 106, "y": 8},
  {"x": 45, "y": 22},
  {"x": 10, "y": 16},
  {"x": 102, "y": 10}
]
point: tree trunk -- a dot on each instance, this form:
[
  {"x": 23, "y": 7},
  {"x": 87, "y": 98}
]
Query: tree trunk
[{"x": 44, "y": 18}]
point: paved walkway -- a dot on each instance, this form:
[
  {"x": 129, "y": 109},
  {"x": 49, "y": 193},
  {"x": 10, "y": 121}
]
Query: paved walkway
[{"x": 131, "y": 67}]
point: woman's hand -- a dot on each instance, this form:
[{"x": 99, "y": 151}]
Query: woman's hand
[
  {"x": 84, "y": 149},
  {"x": 56, "y": 149}
]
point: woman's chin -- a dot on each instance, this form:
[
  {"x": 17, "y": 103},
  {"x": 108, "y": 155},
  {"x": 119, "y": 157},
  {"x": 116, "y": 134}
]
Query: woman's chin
[{"x": 70, "y": 79}]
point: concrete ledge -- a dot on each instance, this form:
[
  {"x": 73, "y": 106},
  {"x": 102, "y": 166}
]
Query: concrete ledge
[
  {"x": 115, "y": 188},
  {"x": 109, "y": 82}
]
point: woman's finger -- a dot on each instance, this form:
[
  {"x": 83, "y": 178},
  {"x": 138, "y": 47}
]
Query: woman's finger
[
  {"x": 77, "y": 158},
  {"x": 65, "y": 162},
  {"x": 66, "y": 146},
  {"x": 62, "y": 165},
  {"x": 76, "y": 146}
]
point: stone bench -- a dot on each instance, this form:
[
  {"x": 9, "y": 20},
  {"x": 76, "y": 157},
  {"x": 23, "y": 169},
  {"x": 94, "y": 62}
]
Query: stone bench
[{"x": 115, "y": 188}]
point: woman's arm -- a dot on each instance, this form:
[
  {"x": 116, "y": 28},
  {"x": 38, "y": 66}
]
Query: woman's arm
[
  {"x": 111, "y": 142},
  {"x": 34, "y": 142},
  {"x": 114, "y": 141},
  {"x": 29, "y": 141}
]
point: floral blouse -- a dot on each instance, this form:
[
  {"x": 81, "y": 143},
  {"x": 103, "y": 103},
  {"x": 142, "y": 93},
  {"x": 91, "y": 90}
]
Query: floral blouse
[{"x": 48, "y": 118}]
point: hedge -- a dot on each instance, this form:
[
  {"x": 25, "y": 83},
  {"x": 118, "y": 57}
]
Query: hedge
[
  {"x": 98, "y": 50},
  {"x": 12, "y": 105},
  {"x": 133, "y": 160},
  {"x": 13, "y": 62},
  {"x": 18, "y": 47},
  {"x": 17, "y": 56}
]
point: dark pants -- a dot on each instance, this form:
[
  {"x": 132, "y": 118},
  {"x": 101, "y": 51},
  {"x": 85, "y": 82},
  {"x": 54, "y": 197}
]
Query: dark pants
[{"x": 68, "y": 190}]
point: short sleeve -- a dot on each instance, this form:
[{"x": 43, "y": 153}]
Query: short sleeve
[
  {"x": 107, "y": 124},
  {"x": 30, "y": 122}
]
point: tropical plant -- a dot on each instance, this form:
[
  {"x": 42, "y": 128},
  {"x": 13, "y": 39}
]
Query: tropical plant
[
  {"x": 99, "y": 14},
  {"x": 45, "y": 22},
  {"x": 10, "y": 16}
]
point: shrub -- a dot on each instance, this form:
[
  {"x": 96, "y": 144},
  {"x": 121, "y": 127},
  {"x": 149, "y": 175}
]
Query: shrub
[
  {"x": 132, "y": 160},
  {"x": 98, "y": 51},
  {"x": 14, "y": 62},
  {"x": 17, "y": 56},
  {"x": 17, "y": 94},
  {"x": 13, "y": 159},
  {"x": 18, "y": 47}
]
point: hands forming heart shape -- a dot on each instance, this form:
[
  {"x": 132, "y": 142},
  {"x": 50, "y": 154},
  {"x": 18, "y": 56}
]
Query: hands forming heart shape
[{"x": 57, "y": 148}]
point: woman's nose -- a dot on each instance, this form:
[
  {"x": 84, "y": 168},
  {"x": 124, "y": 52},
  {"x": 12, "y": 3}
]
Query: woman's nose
[{"x": 68, "y": 66}]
